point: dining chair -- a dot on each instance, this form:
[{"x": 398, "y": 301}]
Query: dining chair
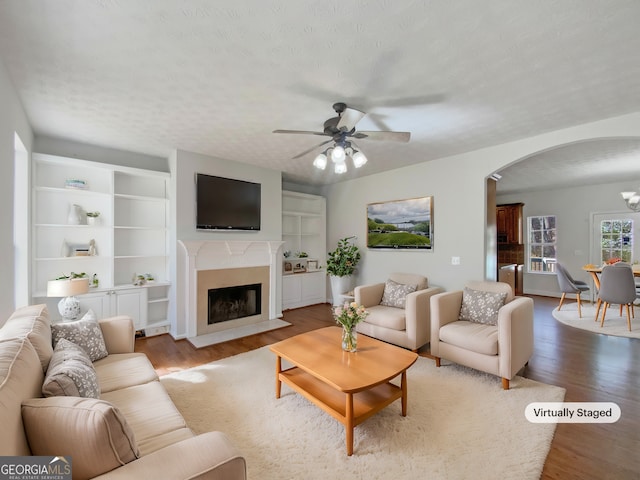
[
  {"x": 569, "y": 285},
  {"x": 617, "y": 286}
]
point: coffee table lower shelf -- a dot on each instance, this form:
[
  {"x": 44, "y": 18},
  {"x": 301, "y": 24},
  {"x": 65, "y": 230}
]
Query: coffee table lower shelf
[{"x": 349, "y": 408}]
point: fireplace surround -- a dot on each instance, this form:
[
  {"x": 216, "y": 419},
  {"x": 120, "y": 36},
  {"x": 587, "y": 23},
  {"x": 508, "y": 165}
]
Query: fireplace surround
[
  {"x": 217, "y": 264},
  {"x": 214, "y": 279}
]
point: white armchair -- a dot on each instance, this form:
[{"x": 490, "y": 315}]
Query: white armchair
[
  {"x": 409, "y": 326},
  {"x": 501, "y": 349}
]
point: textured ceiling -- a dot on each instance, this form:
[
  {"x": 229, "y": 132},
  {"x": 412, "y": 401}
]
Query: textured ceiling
[{"x": 217, "y": 77}]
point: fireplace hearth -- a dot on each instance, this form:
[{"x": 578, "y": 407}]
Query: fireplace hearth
[{"x": 230, "y": 303}]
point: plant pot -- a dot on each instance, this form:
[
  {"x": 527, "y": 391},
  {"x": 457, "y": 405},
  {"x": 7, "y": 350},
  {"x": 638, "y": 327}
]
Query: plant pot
[{"x": 339, "y": 287}]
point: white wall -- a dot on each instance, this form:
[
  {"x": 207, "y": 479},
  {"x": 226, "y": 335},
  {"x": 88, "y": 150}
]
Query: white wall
[
  {"x": 184, "y": 166},
  {"x": 457, "y": 184},
  {"x": 573, "y": 208},
  {"x": 66, "y": 148},
  {"x": 458, "y": 208},
  {"x": 12, "y": 120}
]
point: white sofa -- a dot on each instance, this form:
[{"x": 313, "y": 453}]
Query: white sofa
[{"x": 133, "y": 430}]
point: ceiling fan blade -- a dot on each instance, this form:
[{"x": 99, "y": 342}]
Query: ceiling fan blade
[
  {"x": 302, "y": 132},
  {"x": 384, "y": 136},
  {"x": 311, "y": 149},
  {"x": 349, "y": 118}
]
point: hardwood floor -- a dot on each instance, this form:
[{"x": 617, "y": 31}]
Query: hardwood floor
[{"x": 591, "y": 367}]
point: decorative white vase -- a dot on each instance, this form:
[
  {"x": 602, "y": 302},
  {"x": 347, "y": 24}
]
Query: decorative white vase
[
  {"x": 74, "y": 217},
  {"x": 339, "y": 287}
]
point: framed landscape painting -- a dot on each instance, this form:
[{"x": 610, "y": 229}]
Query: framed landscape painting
[{"x": 401, "y": 224}]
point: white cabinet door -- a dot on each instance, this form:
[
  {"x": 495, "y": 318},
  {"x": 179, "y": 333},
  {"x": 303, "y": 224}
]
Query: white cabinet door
[
  {"x": 132, "y": 303},
  {"x": 291, "y": 291},
  {"x": 99, "y": 302},
  {"x": 314, "y": 286},
  {"x": 299, "y": 290}
]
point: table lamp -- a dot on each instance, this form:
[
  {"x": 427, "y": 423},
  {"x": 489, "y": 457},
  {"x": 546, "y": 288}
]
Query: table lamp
[{"x": 69, "y": 306}]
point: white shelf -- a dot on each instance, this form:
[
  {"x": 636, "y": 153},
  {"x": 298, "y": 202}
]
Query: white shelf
[
  {"x": 130, "y": 234},
  {"x": 139, "y": 197},
  {"x": 66, "y": 225},
  {"x": 304, "y": 230},
  {"x": 159, "y": 300},
  {"x": 296, "y": 213}
]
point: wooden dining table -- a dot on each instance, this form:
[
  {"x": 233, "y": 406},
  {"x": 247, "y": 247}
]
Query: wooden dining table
[{"x": 595, "y": 272}]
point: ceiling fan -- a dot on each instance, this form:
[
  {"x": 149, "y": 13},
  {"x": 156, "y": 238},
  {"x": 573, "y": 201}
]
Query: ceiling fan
[{"x": 342, "y": 130}]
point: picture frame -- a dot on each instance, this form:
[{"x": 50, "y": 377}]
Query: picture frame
[
  {"x": 288, "y": 267},
  {"x": 312, "y": 265},
  {"x": 299, "y": 267},
  {"x": 401, "y": 224}
]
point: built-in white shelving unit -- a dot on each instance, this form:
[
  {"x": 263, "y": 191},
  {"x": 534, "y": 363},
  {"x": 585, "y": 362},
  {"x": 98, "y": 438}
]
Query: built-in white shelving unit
[
  {"x": 130, "y": 236},
  {"x": 303, "y": 230}
]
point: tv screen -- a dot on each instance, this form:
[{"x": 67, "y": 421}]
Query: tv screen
[{"x": 227, "y": 204}]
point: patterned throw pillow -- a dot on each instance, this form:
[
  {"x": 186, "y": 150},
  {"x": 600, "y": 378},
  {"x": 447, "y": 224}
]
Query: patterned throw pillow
[
  {"x": 481, "y": 307},
  {"x": 85, "y": 333},
  {"x": 395, "y": 294},
  {"x": 70, "y": 373}
]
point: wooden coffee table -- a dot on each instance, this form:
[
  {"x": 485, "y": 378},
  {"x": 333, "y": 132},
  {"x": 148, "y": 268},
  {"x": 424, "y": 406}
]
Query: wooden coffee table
[{"x": 350, "y": 387}]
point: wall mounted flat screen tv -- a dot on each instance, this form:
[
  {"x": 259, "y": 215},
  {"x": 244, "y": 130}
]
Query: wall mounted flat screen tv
[{"x": 227, "y": 204}]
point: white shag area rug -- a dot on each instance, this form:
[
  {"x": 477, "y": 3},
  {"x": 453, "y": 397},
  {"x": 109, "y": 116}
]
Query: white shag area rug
[
  {"x": 460, "y": 424},
  {"x": 614, "y": 324}
]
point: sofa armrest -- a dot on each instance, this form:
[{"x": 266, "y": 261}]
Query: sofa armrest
[
  {"x": 207, "y": 456},
  {"x": 119, "y": 334},
  {"x": 445, "y": 308},
  {"x": 369, "y": 295},
  {"x": 515, "y": 335},
  {"x": 418, "y": 313}
]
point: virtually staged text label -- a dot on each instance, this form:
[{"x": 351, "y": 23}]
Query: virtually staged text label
[{"x": 572, "y": 412}]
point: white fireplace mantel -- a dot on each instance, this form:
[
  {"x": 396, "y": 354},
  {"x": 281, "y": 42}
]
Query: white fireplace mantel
[{"x": 218, "y": 255}]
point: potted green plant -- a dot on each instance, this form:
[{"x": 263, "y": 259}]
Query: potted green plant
[
  {"x": 341, "y": 264},
  {"x": 92, "y": 218}
]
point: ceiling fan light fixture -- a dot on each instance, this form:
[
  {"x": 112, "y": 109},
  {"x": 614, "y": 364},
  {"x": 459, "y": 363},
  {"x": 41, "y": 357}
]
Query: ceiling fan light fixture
[
  {"x": 338, "y": 154},
  {"x": 320, "y": 162},
  {"x": 359, "y": 159},
  {"x": 340, "y": 168},
  {"x": 632, "y": 199}
]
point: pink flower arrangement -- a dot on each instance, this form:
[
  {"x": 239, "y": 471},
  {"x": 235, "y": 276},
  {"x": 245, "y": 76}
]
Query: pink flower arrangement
[{"x": 349, "y": 314}]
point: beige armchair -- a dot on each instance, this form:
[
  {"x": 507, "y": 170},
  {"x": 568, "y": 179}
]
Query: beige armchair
[
  {"x": 501, "y": 349},
  {"x": 407, "y": 324}
]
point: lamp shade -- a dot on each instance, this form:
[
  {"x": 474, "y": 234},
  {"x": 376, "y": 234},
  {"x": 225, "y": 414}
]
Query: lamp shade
[{"x": 67, "y": 287}]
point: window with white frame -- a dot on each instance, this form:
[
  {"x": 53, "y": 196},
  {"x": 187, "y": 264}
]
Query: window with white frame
[
  {"x": 616, "y": 240},
  {"x": 542, "y": 244}
]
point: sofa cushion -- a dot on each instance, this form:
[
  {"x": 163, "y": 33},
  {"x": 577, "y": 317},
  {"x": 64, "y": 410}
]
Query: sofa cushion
[
  {"x": 70, "y": 373},
  {"x": 387, "y": 317},
  {"x": 20, "y": 377},
  {"x": 85, "y": 333},
  {"x": 395, "y": 294},
  {"x": 472, "y": 336},
  {"x": 110, "y": 370},
  {"x": 153, "y": 417},
  {"x": 31, "y": 322},
  {"x": 481, "y": 306},
  {"x": 92, "y": 431}
]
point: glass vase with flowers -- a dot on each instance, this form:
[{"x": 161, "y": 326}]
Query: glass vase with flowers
[{"x": 348, "y": 316}]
